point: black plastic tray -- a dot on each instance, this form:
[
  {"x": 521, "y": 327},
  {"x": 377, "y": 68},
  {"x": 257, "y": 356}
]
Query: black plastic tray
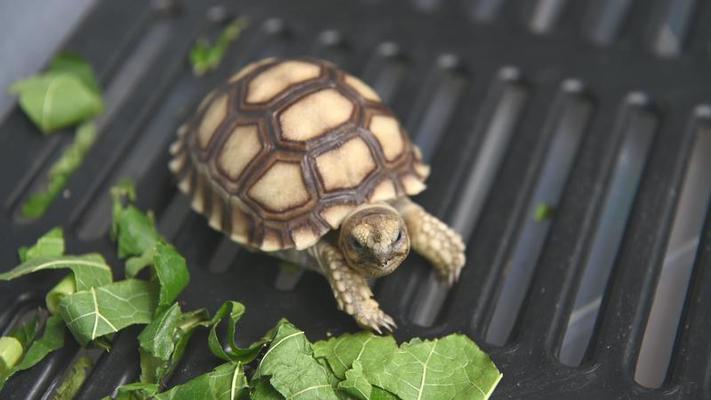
[{"x": 577, "y": 78}]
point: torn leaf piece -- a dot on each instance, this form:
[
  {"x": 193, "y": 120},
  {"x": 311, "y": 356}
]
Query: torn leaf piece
[
  {"x": 291, "y": 368},
  {"x": 226, "y": 382},
  {"x": 98, "y": 311}
]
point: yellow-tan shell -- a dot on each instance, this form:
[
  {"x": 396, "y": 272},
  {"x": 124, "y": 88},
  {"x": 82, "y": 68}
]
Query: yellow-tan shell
[{"x": 278, "y": 155}]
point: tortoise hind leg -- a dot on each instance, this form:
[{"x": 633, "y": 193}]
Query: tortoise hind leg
[
  {"x": 350, "y": 289},
  {"x": 433, "y": 239}
]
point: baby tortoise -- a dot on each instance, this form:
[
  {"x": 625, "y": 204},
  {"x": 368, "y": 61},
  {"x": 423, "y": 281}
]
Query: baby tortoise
[{"x": 298, "y": 158}]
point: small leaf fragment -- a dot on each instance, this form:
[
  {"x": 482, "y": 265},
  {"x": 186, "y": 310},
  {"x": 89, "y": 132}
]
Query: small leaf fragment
[
  {"x": 60, "y": 172},
  {"x": 233, "y": 352},
  {"x": 51, "y": 244},
  {"x": 10, "y": 353},
  {"x": 56, "y": 100},
  {"x": 74, "y": 65},
  {"x": 52, "y": 339},
  {"x": 66, "y": 286},
  {"x": 171, "y": 272},
  {"x": 74, "y": 379},
  {"x": 205, "y": 57},
  {"x": 543, "y": 212},
  {"x": 162, "y": 341}
]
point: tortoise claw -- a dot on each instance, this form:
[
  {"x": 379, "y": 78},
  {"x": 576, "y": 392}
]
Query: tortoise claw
[{"x": 376, "y": 320}]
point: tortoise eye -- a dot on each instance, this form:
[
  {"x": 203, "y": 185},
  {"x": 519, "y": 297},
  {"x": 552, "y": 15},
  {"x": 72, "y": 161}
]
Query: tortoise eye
[
  {"x": 399, "y": 235},
  {"x": 356, "y": 243}
]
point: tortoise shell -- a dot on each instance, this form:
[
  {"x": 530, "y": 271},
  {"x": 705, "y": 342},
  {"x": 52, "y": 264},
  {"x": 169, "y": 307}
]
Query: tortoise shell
[{"x": 286, "y": 148}]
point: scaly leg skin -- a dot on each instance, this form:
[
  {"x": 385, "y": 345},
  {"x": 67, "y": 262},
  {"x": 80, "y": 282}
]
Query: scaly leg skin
[
  {"x": 434, "y": 240},
  {"x": 351, "y": 290}
]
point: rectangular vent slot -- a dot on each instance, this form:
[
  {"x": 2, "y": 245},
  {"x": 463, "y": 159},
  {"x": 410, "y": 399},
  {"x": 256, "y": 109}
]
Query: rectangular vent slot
[
  {"x": 637, "y": 127},
  {"x": 569, "y": 120},
  {"x": 669, "y": 296}
]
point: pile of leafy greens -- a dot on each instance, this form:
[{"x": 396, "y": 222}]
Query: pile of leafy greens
[
  {"x": 65, "y": 95},
  {"x": 284, "y": 364}
]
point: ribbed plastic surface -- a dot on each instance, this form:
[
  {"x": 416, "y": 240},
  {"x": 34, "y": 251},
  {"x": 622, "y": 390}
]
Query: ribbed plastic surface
[{"x": 599, "y": 109}]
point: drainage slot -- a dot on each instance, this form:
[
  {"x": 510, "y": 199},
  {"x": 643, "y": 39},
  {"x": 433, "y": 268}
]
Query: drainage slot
[
  {"x": 138, "y": 161},
  {"x": 485, "y": 10},
  {"x": 510, "y": 100},
  {"x": 673, "y": 27},
  {"x": 501, "y": 112},
  {"x": 438, "y": 101},
  {"x": 385, "y": 71},
  {"x": 669, "y": 296},
  {"x": 637, "y": 126},
  {"x": 605, "y": 19},
  {"x": 568, "y": 122},
  {"x": 544, "y": 16}
]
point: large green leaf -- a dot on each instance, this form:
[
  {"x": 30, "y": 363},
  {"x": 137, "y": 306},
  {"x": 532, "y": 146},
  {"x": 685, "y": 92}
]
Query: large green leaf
[
  {"x": 226, "y": 382},
  {"x": 98, "y": 311},
  {"x": 89, "y": 270},
  {"x": 449, "y": 368},
  {"x": 371, "y": 350},
  {"x": 291, "y": 368}
]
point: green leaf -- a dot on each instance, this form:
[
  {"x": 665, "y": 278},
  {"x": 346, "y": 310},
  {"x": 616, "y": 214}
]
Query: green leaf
[
  {"x": 51, "y": 244},
  {"x": 57, "y": 99},
  {"x": 291, "y": 368},
  {"x": 205, "y": 57},
  {"x": 171, "y": 271},
  {"x": 262, "y": 390},
  {"x": 543, "y": 212},
  {"x": 10, "y": 354},
  {"x": 136, "y": 233},
  {"x": 65, "y": 287},
  {"x": 355, "y": 383},
  {"x": 98, "y": 311},
  {"x": 51, "y": 340},
  {"x": 133, "y": 230},
  {"x": 123, "y": 192},
  {"x": 75, "y": 379},
  {"x": 70, "y": 160},
  {"x": 370, "y": 350},
  {"x": 136, "y": 391},
  {"x": 138, "y": 238},
  {"x": 449, "y": 368},
  {"x": 89, "y": 270},
  {"x": 226, "y": 382},
  {"x": 232, "y": 352},
  {"x": 21, "y": 351},
  {"x": 74, "y": 65},
  {"x": 162, "y": 341}
]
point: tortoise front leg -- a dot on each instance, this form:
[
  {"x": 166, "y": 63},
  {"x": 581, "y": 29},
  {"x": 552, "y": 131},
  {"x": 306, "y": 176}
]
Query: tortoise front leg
[
  {"x": 433, "y": 239},
  {"x": 350, "y": 289}
]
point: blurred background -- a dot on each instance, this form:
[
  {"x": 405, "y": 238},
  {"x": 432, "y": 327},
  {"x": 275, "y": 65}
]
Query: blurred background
[{"x": 597, "y": 111}]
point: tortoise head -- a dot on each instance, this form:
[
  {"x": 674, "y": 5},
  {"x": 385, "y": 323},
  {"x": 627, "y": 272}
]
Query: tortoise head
[{"x": 374, "y": 239}]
